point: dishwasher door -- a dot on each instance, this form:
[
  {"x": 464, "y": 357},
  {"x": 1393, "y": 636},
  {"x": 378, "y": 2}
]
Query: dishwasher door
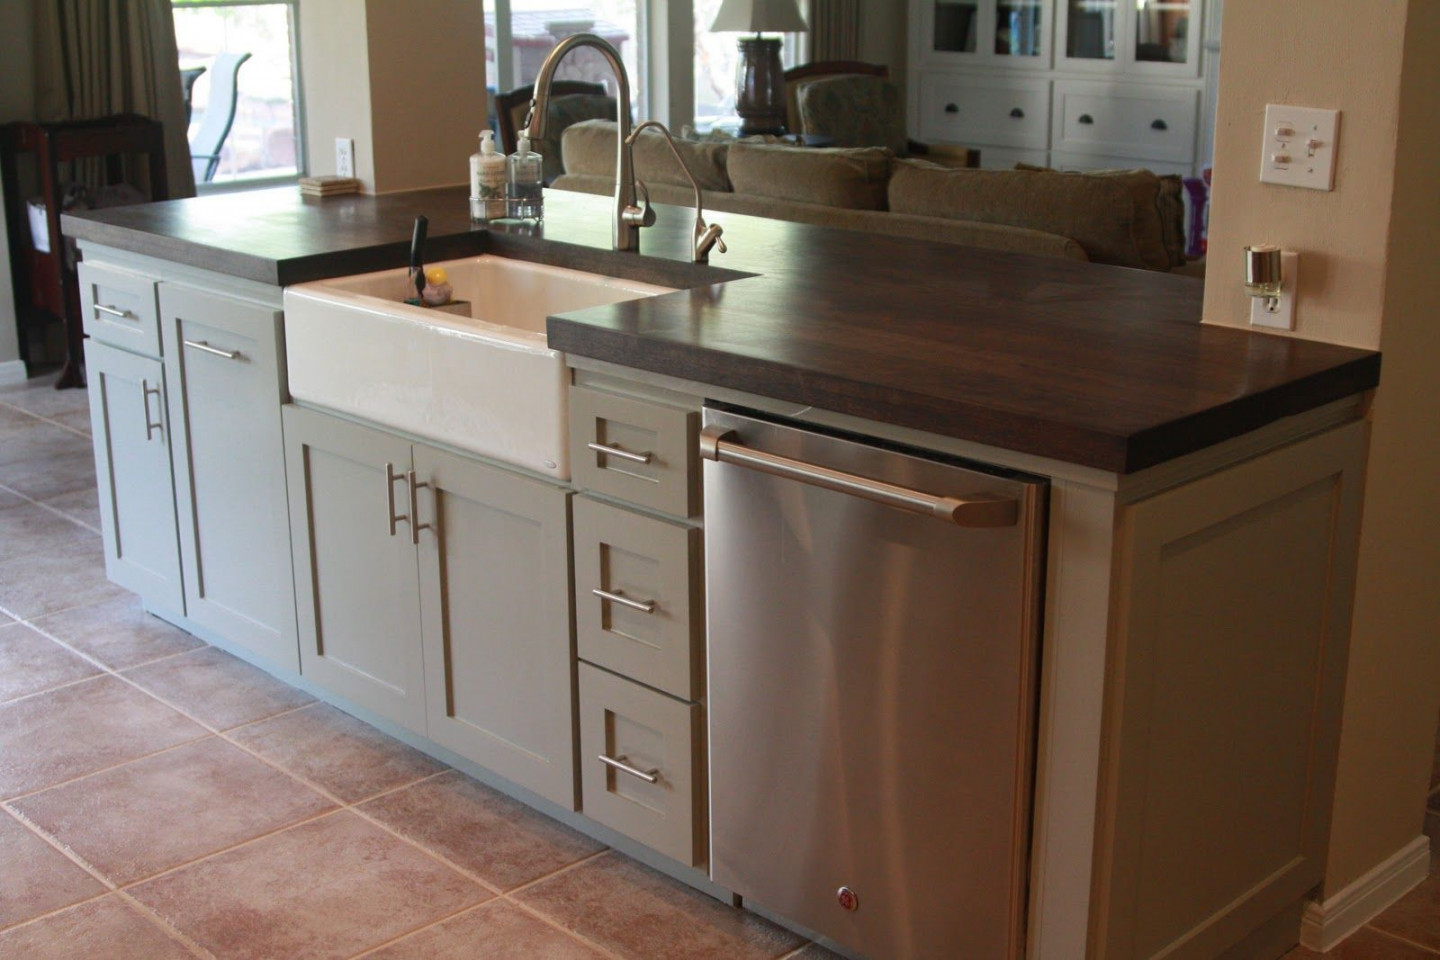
[{"x": 872, "y": 687}]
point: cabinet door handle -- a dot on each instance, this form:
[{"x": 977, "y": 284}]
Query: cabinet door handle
[
  {"x": 623, "y": 454},
  {"x": 1017, "y": 113},
  {"x": 114, "y": 312},
  {"x": 145, "y": 392},
  {"x": 1159, "y": 125},
  {"x": 1086, "y": 119},
  {"x": 415, "y": 525},
  {"x": 951, "y": 108},
  {"x": 390, "y": 477},
  {"x": 204, "y": 347},
  {"x": 621, "y": 763},
  {"x": 644, "y": 606}
]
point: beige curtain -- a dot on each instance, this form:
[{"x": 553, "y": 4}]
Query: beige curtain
[
  {"x": 94, "y": 58},
  {"x": 834, "y": 29}
]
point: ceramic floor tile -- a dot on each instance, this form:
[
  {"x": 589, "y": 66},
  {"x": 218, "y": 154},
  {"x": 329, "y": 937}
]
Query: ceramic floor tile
[
  {"x": 9, "y": 499},
  {"x": 70, "y": 732},
  {"x": 40, "y": 442},
  {"x": 328, "y": 747},
  {"x": 43, "y": 479},
  {"x": 118, "y": 633},
  {"x": 218, "y": 689},
  {"x": 1414, "y": 916},
  {"x": 77, "y": 420},
  {"x": 135, "y": 820},
  {"x": 35, "y": 878},
  {"x": 498, "y": 839},
  {"x": 82, "y": 505},
  {"x": 104, "y": 929},
  {"x": 30, "y": 663},
  {"x": 39, "y": 396},
  {"x": 639, "y": 913},
  {"x": 27, "y": 530},
  {"x": 495, "y": 931},
  {"x": 70, "y": 575},
  {"x": 325, "y": 889}
]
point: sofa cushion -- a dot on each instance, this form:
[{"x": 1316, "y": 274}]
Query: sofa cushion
[
  {"x": 835, "y": 177},
  {"x": 1099, "y": 213},
  {"x": 1159, "y": 208},
  {"x": 589, "y": 149}
]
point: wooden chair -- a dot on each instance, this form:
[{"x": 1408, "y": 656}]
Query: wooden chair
[{"x": 822, "y": 68}]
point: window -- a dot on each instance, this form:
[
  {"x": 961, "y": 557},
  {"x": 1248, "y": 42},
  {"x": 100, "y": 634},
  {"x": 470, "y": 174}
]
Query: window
[
  {"x": 519, "y": 34},
  {"x": 264, "y": 140}
]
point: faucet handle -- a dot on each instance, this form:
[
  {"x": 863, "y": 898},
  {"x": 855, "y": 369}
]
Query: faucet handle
[
  {"x": 636, "y": 216},
  {"x": 705, "y": 238}
]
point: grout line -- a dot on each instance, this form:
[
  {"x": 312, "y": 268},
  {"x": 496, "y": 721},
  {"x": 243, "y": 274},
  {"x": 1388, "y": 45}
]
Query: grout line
[
  {"x": 50, "y": 913},
  {"x": 509, "y": 894},
  {"x": 44, "y": 419},
  {"x": 1404, "y": 940},
  {"x": 247, "y": 723},
  {"x": 70, "y": 855},
  {"x": 425, "y": 926},
  {"x": 58, "y": 686},
  {"x": 174, "y": 932},
  {"x": 573, "y": 934},
  {"x": 114, "y": 766},
  {"x": 55, "y": 510}
]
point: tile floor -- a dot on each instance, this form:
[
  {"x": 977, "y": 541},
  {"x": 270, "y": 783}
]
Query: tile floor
[{"x": 160, "y": 798}]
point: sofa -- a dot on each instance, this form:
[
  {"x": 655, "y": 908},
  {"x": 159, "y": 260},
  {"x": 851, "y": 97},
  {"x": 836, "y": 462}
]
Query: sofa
[{"x": 1128, "y": 218}]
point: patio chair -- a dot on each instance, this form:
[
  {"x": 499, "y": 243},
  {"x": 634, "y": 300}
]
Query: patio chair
[
  {"x": 219, "y": 115},
  {"x": 570, "y": 102}
]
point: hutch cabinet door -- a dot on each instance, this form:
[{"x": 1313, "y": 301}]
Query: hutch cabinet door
[
  {"x": 496, "y": 609},
  {"x": 132, "y": 470},
  {"x": 356, "y": 587},
  {"x": 222, "y": 364}
]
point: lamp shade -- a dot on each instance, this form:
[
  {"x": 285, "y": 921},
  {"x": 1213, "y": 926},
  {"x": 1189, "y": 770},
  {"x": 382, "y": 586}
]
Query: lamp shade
[{"x": 758, "y": 16}]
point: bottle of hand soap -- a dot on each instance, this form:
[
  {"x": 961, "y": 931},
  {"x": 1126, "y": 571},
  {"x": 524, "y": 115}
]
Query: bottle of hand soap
[
  {"x": 487, "y": 180},
  {"x": 525, "y": 182}
]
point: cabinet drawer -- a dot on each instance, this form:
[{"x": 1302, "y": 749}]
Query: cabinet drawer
[
  {"x": 119, "y": 308},
  {"x": 1097, "y": 161},
  {"x": 654, "y": 462},
  {"x": 656, "y": 565},
  {"x": 1126, "y": 121},
  {"x": 657, "y": 737},
  {"x": 978, "y": 110}
]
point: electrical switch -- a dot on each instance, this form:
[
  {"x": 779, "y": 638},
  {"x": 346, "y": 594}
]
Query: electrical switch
[{"x": 1299, "y": 148}]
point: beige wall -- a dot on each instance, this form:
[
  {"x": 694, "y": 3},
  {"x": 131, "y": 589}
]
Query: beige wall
[
  {"x": 1366, "y": 278},
  {"x": 883, "y": 36},
  {"x": 335, "y": 77}
]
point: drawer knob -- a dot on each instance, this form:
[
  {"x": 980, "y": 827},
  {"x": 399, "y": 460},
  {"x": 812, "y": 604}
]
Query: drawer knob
[
  {"x": 1159, "y": 125},
  {"x": 623, "y": 454},
  {"x": 622, "y": 764},
  {"x": 1086, "y": 119},
  {"x": 644, "y": 606},
  {"x": 951, "y": 108},
  {"x": 1017, "y": 113}
]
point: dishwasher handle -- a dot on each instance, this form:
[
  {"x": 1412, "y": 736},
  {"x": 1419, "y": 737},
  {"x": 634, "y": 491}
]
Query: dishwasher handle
[{"x": 718, "y": 443}]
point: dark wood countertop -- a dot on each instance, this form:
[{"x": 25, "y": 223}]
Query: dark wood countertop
[{"x": 1101, "y": 366}]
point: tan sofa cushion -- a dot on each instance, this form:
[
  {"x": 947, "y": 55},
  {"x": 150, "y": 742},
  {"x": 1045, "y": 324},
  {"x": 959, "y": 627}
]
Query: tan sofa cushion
[
  {"x": 589, "y": 149},
  {"x": 851, "y": 178},
  {"x": 1159, "y": 208},
  {"x": 1099, "y": 213}
]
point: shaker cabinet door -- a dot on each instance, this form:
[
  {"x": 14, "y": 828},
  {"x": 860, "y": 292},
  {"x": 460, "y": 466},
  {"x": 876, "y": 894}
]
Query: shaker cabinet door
[
  {"x": 356, "y": 586},
  {"x": 132, "y": 471},
  {"x": 222, "y": 363}
]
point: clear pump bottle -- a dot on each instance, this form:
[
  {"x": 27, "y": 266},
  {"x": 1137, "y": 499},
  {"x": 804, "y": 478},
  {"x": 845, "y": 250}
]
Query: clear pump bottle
[{"x": 525, "y": 182}]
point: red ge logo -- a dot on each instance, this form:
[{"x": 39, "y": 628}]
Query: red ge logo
[{"x": 847, "y": 898}]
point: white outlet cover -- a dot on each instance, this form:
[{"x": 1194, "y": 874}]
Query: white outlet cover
[
  {"x": 1299, "y": 146},
  {"x": 344, "y": 157},
  {"x": 1283, "y": 316}
]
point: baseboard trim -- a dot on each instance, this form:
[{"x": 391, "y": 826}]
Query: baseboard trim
[
  {"x": 12, "y": 371},
  {"x": 1326, "y": 924}
]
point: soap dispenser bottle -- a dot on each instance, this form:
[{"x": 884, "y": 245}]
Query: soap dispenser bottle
[
  {"x": 525, "y": 182},
  {"x": 487, "y": 180}
]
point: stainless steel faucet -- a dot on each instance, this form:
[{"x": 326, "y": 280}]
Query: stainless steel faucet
[
  {"x": 629, "y": 218},
  {"x": 704, "y": 237}
]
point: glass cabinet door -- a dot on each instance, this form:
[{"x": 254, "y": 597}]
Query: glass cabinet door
[
  {"x": 1091, "y": 29},
  {"x": 1165, "y": 31},
  {"x": 1019, "y": 28},
  {"x": 957, "y": 26}
]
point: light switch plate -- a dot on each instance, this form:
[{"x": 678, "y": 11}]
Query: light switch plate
[
  {"x": 1299, "y": 146},
  {"x": 1283, "y": 316}
]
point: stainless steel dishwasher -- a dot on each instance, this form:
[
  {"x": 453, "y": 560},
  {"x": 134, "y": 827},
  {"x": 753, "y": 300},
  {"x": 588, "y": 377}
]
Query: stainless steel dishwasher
[{"x": 873, "y": 623}]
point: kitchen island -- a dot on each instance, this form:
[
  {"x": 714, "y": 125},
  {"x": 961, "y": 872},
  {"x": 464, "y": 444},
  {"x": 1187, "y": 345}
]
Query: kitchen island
[{"x": 1203, "y": 489}]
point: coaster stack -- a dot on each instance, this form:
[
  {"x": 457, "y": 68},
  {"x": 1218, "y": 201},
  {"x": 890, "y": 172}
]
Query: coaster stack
[{"x": 328, "y": 186}]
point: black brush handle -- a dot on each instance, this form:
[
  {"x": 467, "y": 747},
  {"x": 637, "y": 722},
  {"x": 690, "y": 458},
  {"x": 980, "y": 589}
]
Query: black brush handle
[{"x": 417, "y": 253}]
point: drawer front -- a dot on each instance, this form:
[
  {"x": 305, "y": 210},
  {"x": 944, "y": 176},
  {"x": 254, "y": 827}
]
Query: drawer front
[
  {"x": 1004, "y": 158},
  {"x": 623, "y": 561},
  {"x": 661, "y": 436},
  {"x": 659, "y": 738},
  {"x": 977, "y": 110},
  {"x": 119, "y": 308},
  {"x": 1095, "y": 161},
  {"x": 1126, "y": 121}
]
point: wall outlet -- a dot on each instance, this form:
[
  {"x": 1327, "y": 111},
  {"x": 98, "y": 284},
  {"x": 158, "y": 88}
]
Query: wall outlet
[
  {"x": 344, "y": 157},
  {"x": 1282, "y": 317}
]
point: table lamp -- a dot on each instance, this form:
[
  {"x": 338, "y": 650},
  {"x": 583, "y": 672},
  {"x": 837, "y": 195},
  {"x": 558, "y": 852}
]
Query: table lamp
[{"x": 759, "y": 79}]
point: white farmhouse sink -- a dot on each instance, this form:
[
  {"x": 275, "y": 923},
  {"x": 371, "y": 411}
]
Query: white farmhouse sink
[{"x": 486, "y": 382}]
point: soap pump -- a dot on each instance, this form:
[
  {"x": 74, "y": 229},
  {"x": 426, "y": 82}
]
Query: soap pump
[
  {"x": 487, "y": 180},
  {"x": 525, "y": 182}
]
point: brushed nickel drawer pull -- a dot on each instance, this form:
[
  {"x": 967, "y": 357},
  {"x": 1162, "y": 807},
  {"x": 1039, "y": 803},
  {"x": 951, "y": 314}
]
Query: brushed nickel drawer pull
[
  {"x": 719, "y": 444},
  {"x": 146, "y": 390},
  {"x": 644, "y": 606},
  {"x": 620, "y": 763},
  {"x": 415, "y": 527},
  {"x": 645, "y": 457},
  {"x": 390, "y": 477},
  {"x": 205, "y": 347},
  {"x": 114, "y": 312}
]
